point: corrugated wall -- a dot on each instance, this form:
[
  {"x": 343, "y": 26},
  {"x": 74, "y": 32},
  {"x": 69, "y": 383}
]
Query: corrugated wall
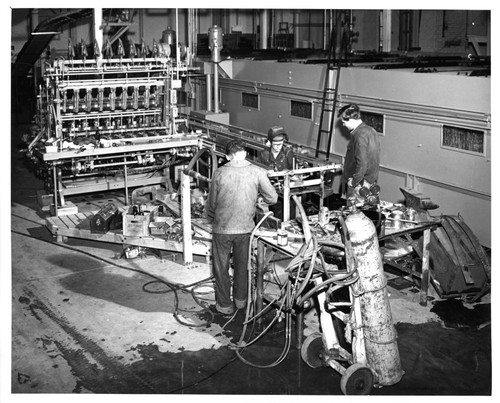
[{"x": 415, "y": 107}]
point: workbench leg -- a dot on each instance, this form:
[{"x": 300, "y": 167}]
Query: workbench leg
[
  {"x": 286, "y": 198},
  {"x": 424, "y": 282},
  {"x": 259, "y": 281},
  {"x": 187, "y": 240},
  {"x": 125, "y": 182}
]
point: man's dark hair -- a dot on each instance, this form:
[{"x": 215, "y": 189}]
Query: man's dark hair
[
  {"x": 234, "y": 146},
  {"x": 349, "y": 111}
]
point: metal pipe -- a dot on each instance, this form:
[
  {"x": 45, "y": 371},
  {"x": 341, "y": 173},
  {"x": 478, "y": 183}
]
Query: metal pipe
[
  {"x": 216, "y": 87},
  {"x": 263, "y": 29},
  {"x": 208, "y": 80},
  {"x": 296, "y": 30},
  {"x": 386, "y": 30},
  {"x": 177, "y": 50}
]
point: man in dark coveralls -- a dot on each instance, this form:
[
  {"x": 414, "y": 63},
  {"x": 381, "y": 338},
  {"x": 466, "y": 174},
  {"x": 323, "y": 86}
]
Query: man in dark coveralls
[
  {"x": 278, "y": 157},
  {"x": 232, "y": 198},
  {"x": 361, "y": 164}
]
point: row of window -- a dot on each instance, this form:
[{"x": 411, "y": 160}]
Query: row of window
[{"x": 453, "y": 137}]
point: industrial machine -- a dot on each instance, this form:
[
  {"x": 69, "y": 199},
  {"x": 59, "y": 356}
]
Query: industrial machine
[
  {"x": 119, "y": 121},
  {"x": 110, "y": 122}
]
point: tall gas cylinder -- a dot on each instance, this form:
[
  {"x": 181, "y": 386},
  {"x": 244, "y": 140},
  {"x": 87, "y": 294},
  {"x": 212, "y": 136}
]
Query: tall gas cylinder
[{"x": 382, "y": 353}]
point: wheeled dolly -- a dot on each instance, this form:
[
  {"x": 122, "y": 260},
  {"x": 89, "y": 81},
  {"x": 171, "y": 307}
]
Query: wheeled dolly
[
  {"x": 324, "y": 349},
  {"x": 374, "y": 360}
]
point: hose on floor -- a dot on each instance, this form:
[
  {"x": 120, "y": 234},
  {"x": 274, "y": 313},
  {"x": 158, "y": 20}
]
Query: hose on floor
[
  {"x": 173, "y": 287},
  {"x": 284, "y": 308},
  {"x": 284, "y": 303}
]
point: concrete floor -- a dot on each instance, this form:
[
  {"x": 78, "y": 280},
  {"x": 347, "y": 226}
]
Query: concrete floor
[{"x": 84, "y": 322}]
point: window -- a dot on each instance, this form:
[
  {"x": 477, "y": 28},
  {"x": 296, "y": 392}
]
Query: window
[
  {"x": 375, "y": 120},
  {"x": 250, "y": 100},
  {"x": 463, "y": 139},
  {"x": 301, "y": 109}
]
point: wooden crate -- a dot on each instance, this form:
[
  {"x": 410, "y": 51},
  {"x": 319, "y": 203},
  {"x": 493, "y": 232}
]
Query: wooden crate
[{"x": 138, "y": 225}]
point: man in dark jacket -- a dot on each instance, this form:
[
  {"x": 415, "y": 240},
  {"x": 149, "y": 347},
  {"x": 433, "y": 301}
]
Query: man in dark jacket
[
  {"x": 277, "y": 157},
  {"x": 361, "y": 164},
  {"x": 232, "y": 198}
]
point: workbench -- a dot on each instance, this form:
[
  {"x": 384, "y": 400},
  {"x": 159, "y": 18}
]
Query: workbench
[
  {"x": 329, "y": 235},
  {"x": 405, "y": 233},
  {"x": 78, "y": 226}
]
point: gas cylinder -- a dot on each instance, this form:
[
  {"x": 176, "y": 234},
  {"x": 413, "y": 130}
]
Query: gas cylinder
[{"x": 382, "y": 353}]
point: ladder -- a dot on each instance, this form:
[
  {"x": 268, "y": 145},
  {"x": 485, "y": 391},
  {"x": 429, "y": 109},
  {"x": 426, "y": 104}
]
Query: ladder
[
  {"x": 329, "y": 99},
  {"x": 282, "y": 37}
]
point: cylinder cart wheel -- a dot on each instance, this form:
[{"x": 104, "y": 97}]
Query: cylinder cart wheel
[
  {"x": 312, "y": 349},
  {"x": 357, "y": 380}
]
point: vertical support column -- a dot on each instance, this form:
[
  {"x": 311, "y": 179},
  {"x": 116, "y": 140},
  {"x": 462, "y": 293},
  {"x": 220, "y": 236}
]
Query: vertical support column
[
  {"x": 322, "y": 189},
  {"x": 208, "y": 80},
  {"x": 57, "y": 122},
  {"x": 386, "y": 30},
  {"x": 424, "y": 282},
  {"x": 186, "y": 218},
  {"x": 216, "y": 87},
  {"x": 125, "y": 182},
  {"x": 296, "y": 30},
  {"x": 55, "y": 189},
  {"x": 286, "y": 198},
  {"x": 263, "y": 29},
  {"x": 177, "y": 49},
  {"x": 98, "y": 37}
]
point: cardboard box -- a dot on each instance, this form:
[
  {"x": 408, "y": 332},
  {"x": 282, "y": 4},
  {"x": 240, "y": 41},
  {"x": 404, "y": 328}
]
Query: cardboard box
[{"x": 138, "y": 225}]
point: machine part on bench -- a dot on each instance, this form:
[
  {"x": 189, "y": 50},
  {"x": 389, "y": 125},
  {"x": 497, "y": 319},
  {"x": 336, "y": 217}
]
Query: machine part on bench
[{"x": 357, "y": 380}]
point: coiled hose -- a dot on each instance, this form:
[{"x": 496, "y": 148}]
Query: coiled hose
[{"x": 292, "y": 293}]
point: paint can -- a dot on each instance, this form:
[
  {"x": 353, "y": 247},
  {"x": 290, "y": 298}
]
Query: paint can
[{"x": 282, "y": 237}]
